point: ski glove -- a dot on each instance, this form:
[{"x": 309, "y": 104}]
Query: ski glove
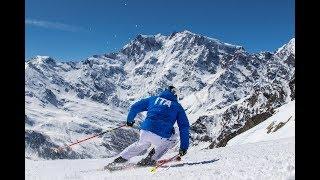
[
  {"x": 182, "y": 152},
  {"x": 130, "y": 123}
]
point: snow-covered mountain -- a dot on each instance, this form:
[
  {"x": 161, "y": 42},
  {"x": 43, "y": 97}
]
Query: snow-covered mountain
[
  {"x": 279, "y": 126},
  {"x": 224, "y": 89}
]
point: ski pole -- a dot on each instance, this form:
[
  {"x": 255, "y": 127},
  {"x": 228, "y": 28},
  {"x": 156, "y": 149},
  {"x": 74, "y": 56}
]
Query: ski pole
[{"x": 80, "y": 141}]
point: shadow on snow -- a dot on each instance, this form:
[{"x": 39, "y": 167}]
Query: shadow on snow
[{"x": 194, "y": 163}]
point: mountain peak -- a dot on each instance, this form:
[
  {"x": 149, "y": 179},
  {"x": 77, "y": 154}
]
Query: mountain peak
[
  {"x": 289, "y": 47},
  {"x": 42, "y": 60},
  {"x": 187, "y": 32},
  {"x": 286, "y": 51},
  {"x": 179, "y": 41},
  {"x": 142, "y": 44},
  {"x": 203, "y": 38},
  {"x": 39, "y": 58}
]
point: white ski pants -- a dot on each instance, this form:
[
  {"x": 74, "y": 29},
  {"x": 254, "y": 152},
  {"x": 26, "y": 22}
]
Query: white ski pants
[{"x": 147, "y": 138}]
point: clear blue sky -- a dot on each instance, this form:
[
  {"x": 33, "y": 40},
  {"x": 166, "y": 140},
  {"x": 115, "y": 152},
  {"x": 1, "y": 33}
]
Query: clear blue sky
[{"x": 76, "y": 29}]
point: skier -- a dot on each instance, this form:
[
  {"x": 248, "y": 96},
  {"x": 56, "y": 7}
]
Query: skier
[{"x": 157, "y": 128}]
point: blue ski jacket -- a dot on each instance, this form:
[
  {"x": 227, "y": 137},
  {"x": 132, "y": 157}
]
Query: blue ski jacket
[{"x": 163, "y": 112}]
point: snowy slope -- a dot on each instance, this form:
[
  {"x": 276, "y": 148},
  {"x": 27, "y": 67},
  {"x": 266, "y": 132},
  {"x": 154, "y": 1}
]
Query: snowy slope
[
  {"x": 223, "y": 88},
  {"x": 280, "y": 125},
  {"x": 263, "y": 160}
]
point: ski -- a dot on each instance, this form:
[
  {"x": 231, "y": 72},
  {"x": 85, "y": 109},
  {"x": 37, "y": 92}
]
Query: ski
[
  {"x": 189, "y": 163},
  {"x": 168, "y": 159},
  {"x": 162, "y": 162},
  {"x": 112, "y": 167},
  {"x": 119, "y": 167}
]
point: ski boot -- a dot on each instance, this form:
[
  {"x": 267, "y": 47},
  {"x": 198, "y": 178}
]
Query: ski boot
[
  {"x": 120, "y": 160},
  {"x": 148, "y": 161},
  {"x": 117, "y": 161}
]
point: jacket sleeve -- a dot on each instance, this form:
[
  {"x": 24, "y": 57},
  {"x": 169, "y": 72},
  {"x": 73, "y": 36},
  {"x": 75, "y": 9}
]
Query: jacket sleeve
[
  {"x": 137, "y": 107},
  {"x": 184, "y": 126}
]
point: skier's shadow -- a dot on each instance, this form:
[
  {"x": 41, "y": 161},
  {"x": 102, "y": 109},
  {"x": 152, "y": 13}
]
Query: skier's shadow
[{"x": 194, "y": 163}]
